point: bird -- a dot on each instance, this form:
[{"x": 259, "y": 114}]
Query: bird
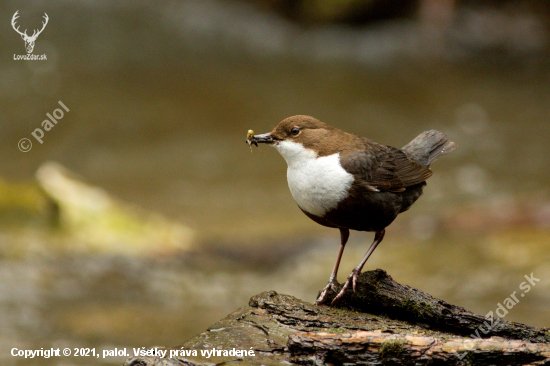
[{"x": 343, "y": 181}]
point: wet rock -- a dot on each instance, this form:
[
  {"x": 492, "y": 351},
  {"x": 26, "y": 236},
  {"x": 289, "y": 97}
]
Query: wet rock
[
  {"x": 96, "y": 221},
  {"x": 383, "y": 323}
]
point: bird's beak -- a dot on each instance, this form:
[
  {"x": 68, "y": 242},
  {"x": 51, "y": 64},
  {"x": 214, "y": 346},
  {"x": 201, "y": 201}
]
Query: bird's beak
[{"x": 264, "y": 138}]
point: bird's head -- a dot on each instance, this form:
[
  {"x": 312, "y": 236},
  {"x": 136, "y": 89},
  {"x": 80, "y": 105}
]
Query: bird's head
[{"x": 297, "y": 136}]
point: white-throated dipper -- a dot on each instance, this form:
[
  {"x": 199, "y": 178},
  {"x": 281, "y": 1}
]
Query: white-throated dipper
[{"x": 348, "y": 182}]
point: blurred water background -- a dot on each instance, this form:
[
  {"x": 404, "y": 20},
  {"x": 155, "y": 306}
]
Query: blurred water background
[{"x": 162, "y": 221}]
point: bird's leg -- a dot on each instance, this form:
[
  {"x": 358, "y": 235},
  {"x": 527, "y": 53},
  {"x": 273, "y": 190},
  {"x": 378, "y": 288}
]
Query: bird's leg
[
  {"x": 352, "y": 278},
  {"x": 332, "y": 281}
]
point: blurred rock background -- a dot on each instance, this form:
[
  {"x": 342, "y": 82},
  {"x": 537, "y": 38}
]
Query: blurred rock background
[{"x": 177, "y": 223}]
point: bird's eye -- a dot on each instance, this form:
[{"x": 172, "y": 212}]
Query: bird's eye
[{"x": 295, "y": 131}]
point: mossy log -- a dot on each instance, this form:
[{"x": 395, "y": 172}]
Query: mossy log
[{"x": 383, "y": 323}]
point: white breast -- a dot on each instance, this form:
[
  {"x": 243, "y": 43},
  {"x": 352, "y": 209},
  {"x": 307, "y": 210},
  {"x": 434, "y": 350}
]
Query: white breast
[{"x": 317, "y": 184}]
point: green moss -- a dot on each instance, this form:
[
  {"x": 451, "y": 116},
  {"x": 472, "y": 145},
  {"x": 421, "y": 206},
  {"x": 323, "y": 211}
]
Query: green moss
[
  {"x": 392, "y": 348},
  {"x": 338, "y": 330},
  {"x": 469, "y": 360},
  {"x": 419, "y": 309}
]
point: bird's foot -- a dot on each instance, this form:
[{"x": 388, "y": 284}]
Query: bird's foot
[
  {"x": 331, "y": 285},
  {"x": 351, "y": 280}
]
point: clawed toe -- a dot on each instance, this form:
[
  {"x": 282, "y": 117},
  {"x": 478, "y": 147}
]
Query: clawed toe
[
  {"x": 331, "y": 285},
  {"x": 351, "y": 280}
]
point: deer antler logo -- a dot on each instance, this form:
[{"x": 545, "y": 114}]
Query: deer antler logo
[{"x": 29, "y": 41}]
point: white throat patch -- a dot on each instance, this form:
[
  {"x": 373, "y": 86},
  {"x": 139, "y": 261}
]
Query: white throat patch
[{"x": 317, "y": 184}]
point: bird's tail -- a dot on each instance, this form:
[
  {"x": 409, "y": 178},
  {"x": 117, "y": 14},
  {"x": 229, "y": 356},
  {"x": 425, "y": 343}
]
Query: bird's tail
[{"x": 428, "y": 146}]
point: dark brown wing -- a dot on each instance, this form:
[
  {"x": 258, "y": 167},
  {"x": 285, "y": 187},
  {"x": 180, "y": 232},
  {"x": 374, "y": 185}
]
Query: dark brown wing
[{"x": 384, "y": 168}]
